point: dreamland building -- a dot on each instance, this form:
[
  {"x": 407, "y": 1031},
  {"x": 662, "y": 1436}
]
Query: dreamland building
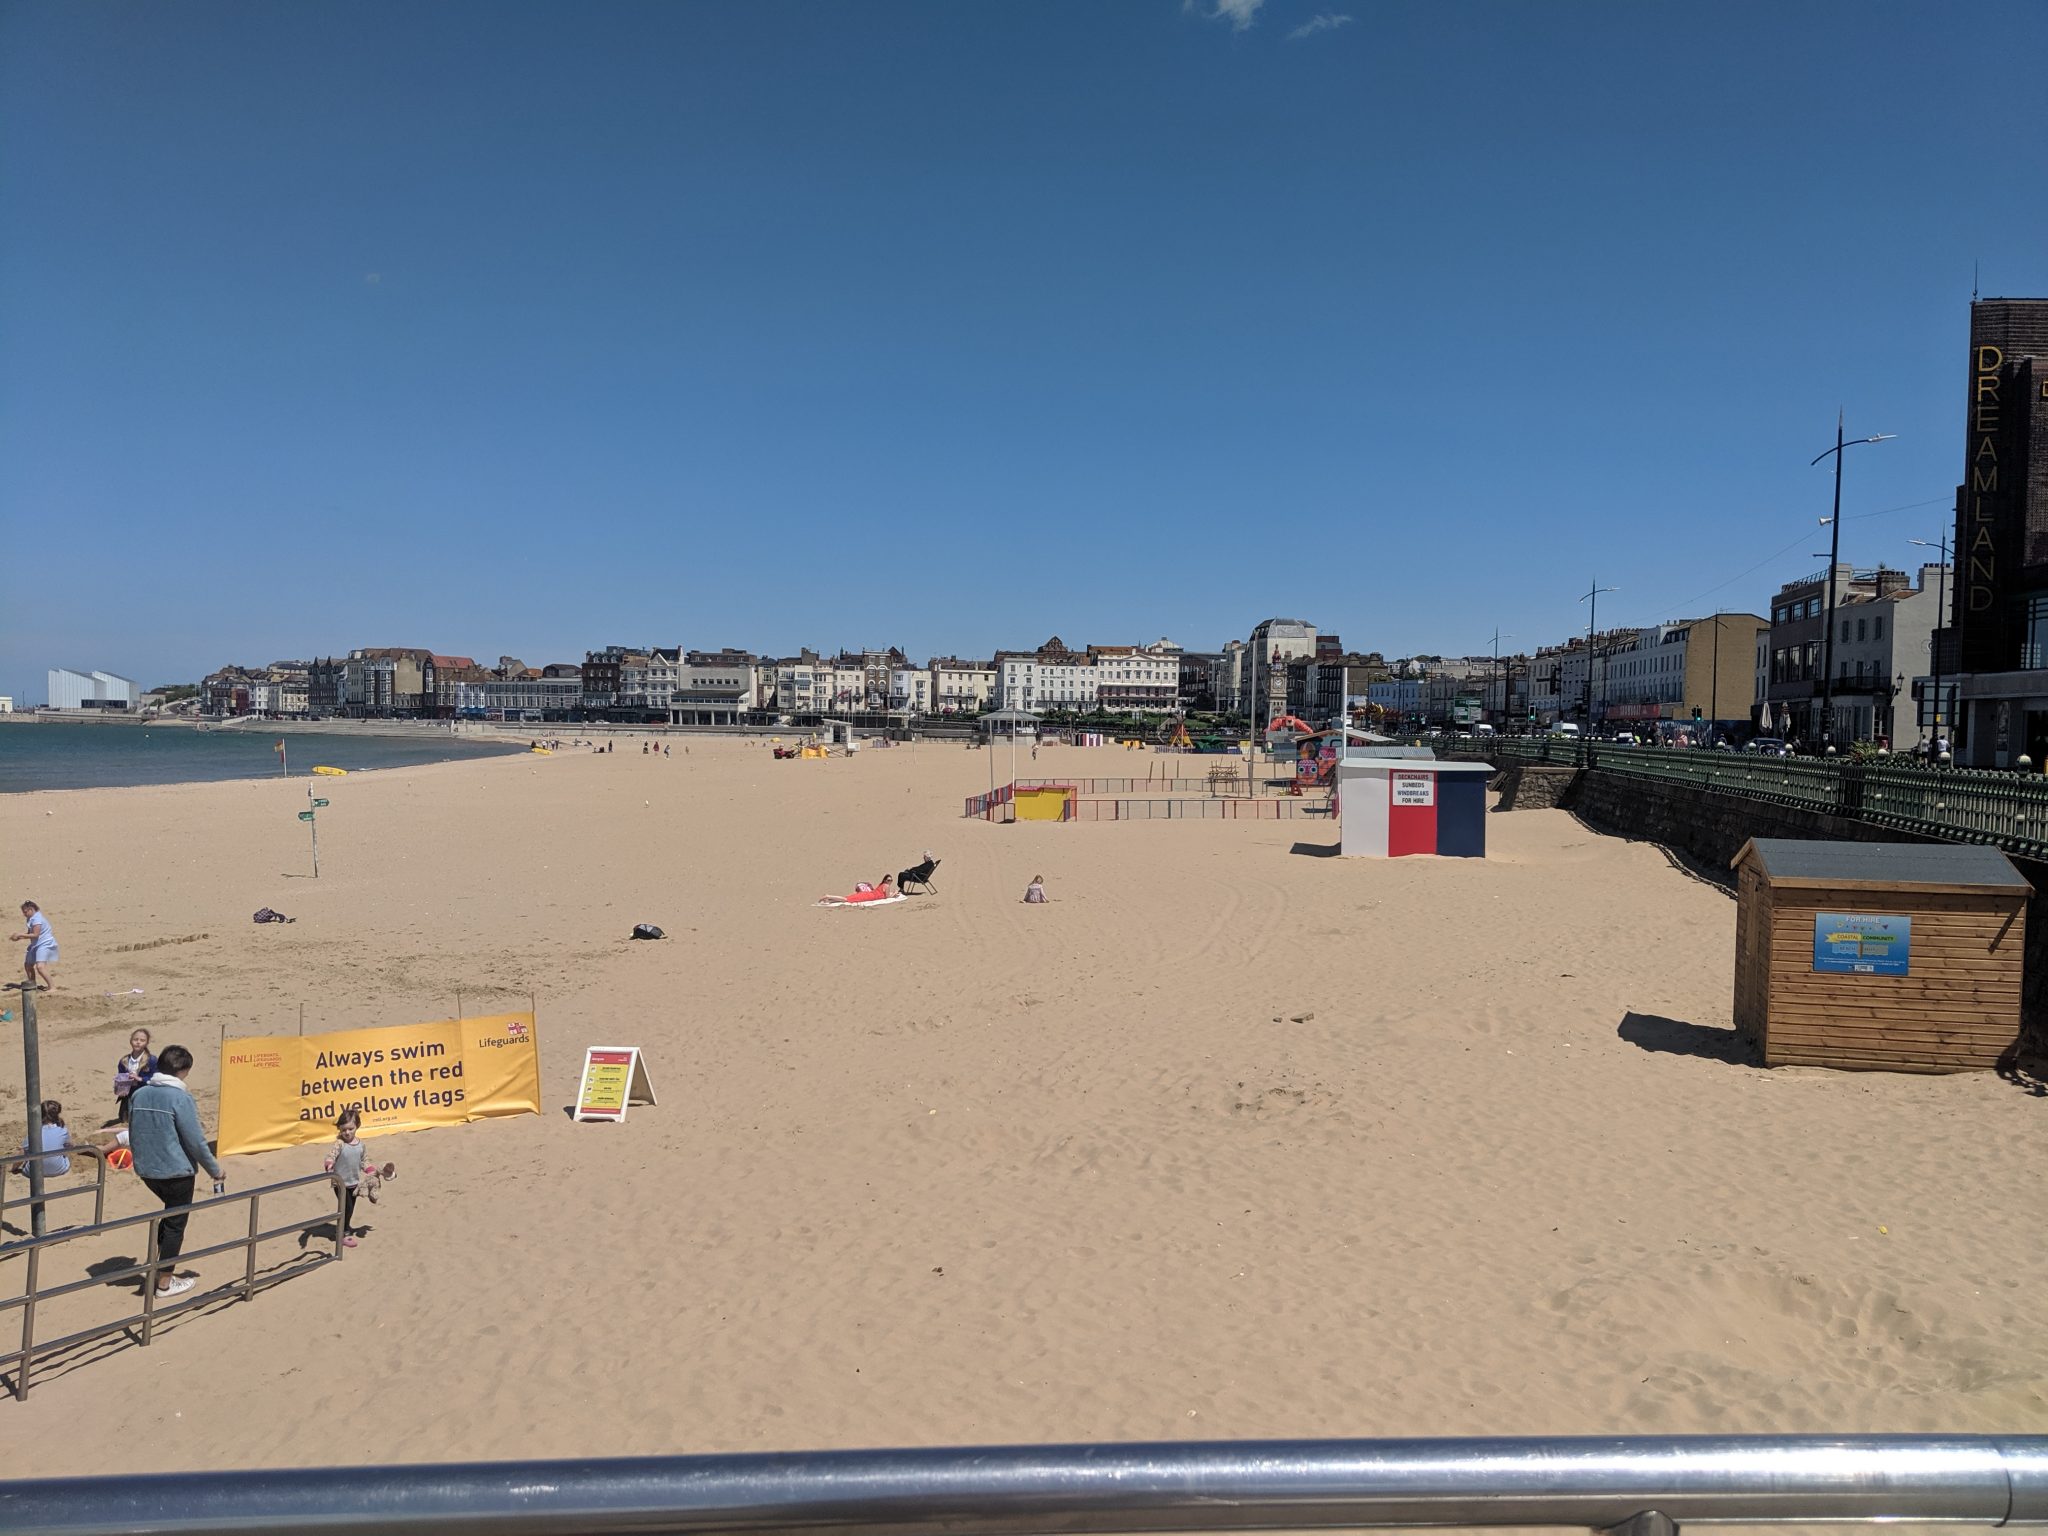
[{"x": 1996, "y": 643}]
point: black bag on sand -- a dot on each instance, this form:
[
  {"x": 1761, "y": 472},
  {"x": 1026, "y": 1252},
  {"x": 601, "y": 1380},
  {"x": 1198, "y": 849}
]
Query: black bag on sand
[{"x": 647, "y": 931}]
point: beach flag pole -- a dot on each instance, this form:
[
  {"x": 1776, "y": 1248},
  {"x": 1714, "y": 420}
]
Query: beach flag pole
[{"x": 32, "y": 1084}]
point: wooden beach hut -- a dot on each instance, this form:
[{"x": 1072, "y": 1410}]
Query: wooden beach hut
[{"x": 1901, "y": 957}]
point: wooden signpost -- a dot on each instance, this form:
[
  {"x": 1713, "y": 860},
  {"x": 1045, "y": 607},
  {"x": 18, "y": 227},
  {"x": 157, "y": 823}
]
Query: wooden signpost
[{"x": 614, "y": 1078}]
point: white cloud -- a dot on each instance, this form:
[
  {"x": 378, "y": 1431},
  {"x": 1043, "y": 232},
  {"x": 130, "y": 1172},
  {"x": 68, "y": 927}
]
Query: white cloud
[
  {"x": 1326, "y": 22},
  {"x": 1239, "y": 13}
]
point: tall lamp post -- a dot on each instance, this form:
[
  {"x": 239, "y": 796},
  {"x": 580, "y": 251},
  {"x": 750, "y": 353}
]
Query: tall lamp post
[
  {"x": 1498, "y": 636},
  {"x": 1592, "y": 598},
  {"x": 1827, "y": 664},
  {"x": 1934, "y": 635}
]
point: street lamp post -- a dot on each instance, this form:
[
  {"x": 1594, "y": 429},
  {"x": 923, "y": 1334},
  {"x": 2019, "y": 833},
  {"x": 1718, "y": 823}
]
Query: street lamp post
[
  {"x": 1934, "y": 635},
  {"x": 1714, "y": 689},
  {"x": 1497, "y": 638},
  {"x": 1827, "y": 665},
  {"x": 1592, "y": 598}
]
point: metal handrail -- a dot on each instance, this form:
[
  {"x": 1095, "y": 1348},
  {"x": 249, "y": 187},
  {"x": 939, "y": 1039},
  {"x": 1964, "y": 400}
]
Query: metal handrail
[
  {"x": 1637, "y": 1483},
  {"x": 97, "y": 1189},
  {"x": 33, "y": 1291}
]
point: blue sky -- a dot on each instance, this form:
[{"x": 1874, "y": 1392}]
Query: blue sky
[{"x": 520, "y": 328}]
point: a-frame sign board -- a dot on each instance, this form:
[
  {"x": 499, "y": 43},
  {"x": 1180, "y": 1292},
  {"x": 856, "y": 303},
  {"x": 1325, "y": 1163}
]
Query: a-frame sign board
[{"x": 614, "y": 1077}]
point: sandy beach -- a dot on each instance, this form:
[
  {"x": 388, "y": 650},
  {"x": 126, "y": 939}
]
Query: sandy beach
[{"x": 1227, "y": 1140}]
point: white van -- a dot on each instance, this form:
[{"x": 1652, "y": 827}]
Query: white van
[{"x": 1564, "y": 728}]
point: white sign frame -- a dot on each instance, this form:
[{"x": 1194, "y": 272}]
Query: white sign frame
[
  {"x": 639, "y": 1086},
  {"x": 1409, "y": 788}
]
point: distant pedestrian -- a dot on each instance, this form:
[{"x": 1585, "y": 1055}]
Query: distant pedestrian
[
  {"x": 41, "y": 953},
  {"x": 170, "y": 1147}
]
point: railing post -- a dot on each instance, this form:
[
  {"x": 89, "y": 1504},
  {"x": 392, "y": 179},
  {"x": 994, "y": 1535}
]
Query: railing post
[
  {"x": 152, "y": 1258},
  {"x": 28, "y": 1326},
  {"x": 249, "y": 1272},
  {"x": 1850, "y": 790},
  {"x": 340, "y": 1231},
  {"x": 99, "y": 1197}
]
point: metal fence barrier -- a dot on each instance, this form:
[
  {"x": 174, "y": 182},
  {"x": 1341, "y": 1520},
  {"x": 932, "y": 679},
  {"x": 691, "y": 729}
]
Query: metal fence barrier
[
  {"x": 1971, "y": 805},
  {"x": 33, "y": 1291},
  {"x": 1639, "y": 1484},
  {"x": 97, "y": 1189}
]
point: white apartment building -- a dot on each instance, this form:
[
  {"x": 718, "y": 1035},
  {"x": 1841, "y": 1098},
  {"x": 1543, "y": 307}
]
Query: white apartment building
[
  {"x": 1051, "y": 677},
  {"x": 961, "y": 687},
  {"x": 911, "y": 688},
  {"x": 1644, "y": 677},
  {"x": 649, "y": 680},
  {"x": 1130, "y": 677}
]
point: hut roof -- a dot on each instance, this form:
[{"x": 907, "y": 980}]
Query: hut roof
[{"x": 1922, "y": 866}]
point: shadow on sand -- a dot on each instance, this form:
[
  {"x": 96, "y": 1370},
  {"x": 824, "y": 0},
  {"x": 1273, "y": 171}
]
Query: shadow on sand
[{"x": 1671, "y": 1037}]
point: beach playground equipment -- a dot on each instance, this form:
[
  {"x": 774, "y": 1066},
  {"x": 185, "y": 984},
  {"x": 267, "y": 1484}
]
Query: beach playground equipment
[{"x": 1394, "y": 806}]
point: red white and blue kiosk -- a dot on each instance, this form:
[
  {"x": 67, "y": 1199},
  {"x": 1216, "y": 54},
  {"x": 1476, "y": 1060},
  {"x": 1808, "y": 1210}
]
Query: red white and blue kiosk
[{"x": 1392, "y": 806}]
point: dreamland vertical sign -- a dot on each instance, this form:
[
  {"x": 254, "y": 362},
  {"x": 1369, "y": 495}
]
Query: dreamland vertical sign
[
  {"x": 1981, "y": 534},
  {"x": 285, "y": 1091}
]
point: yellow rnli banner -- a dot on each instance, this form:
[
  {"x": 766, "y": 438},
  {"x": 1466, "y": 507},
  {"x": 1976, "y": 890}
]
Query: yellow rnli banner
[{"x": 285, "y": 1091}]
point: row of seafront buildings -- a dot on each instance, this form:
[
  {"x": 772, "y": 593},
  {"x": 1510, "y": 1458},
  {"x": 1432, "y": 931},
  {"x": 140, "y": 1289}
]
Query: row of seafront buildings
[{"x": 1285, "y": 666}]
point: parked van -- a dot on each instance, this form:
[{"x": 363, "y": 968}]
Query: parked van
[{"x": 1564, "y": 728}]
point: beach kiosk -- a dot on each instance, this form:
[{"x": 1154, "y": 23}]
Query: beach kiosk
[
  {"x": 1900, "y": 957},
  {"x": 1393, "y": 806}
]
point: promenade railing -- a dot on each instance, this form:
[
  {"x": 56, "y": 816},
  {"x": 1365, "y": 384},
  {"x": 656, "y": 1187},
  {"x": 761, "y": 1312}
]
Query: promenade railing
[
  {"x": 33, "y": 1255},
  {"x": 97, "y": 1189},
  {"x": 1973, "y": 805},
  {"x": 1641, "y": 1485}
]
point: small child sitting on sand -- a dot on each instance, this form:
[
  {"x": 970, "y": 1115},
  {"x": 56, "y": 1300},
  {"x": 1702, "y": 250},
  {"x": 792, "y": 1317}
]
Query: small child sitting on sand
[{"x": 1035, "y": 891}]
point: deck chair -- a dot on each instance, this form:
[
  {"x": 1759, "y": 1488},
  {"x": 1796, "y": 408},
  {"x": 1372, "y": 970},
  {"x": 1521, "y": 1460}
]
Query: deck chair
[{"x": 920, "y": 874}]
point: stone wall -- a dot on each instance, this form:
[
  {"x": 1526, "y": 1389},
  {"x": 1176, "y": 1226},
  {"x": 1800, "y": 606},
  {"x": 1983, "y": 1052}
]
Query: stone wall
[
  {"x": 1533, "y": 786},
  {"x": 1710, "y": 828}
]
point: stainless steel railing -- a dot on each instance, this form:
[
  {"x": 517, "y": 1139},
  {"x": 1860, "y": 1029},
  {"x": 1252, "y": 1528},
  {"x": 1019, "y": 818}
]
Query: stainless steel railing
[
  {"x": 33, "y": 1292},
  {"x": 1637, "y": 1484}
]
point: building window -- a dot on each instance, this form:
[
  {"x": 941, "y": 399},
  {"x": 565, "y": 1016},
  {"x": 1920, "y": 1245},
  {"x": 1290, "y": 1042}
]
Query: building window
[
  {"x": 2034, "y": 650},
  {"x": 1877, "y": 628},
  {"x": 1861, "y": 627}
]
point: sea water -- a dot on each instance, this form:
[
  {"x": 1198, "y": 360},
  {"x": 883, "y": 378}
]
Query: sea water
[{"x": 72, "y": 756}]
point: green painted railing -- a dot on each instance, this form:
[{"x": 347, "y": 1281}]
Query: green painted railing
[{"x": 1957, "y": 804}]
